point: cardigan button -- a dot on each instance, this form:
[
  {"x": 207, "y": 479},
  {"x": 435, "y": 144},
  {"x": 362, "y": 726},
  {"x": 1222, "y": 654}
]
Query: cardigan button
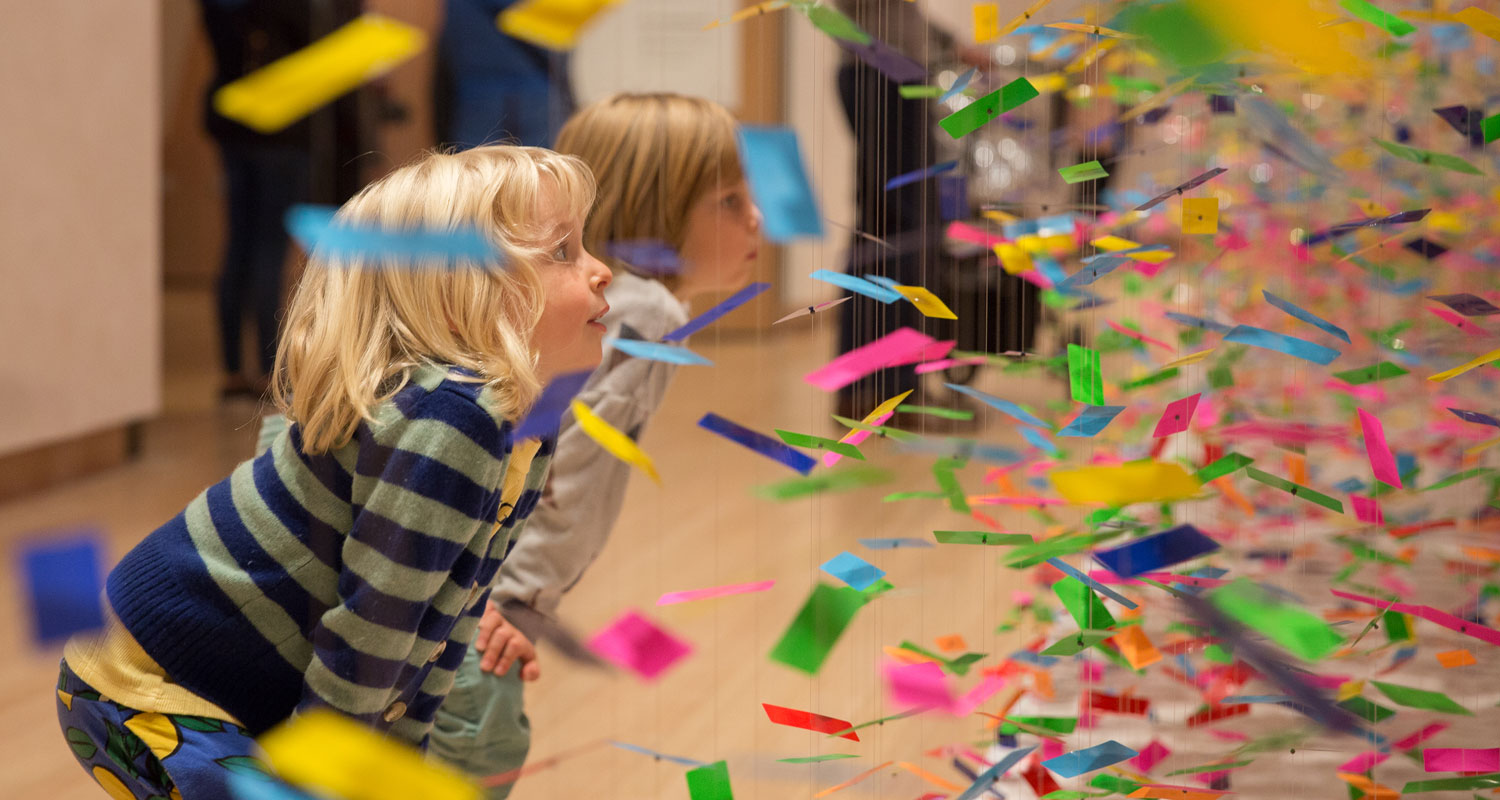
[
  {"x": 395, "y": 712},
  {"x": 438, "y": 652}
]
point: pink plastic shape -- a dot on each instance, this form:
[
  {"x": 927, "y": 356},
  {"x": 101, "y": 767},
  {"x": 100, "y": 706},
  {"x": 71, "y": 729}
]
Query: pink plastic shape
[
  {"x": 861, "y": 361},
  {"x": 1177, "y": 416},
  {"x": 1460, "y": 759},
  {"x": 637, "y": 644},
  {"x": 1367, "y": 509},
  {"x": 1381, "y": 461},
  {"x": 718, "y": 591},
  {"x": 1150, "y": 755}
]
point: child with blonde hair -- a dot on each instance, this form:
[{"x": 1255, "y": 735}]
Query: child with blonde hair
[
  {"x": 668, "y": 170},
  {"x": 347, "y": 566}
]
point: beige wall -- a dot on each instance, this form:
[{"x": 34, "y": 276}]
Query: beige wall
[{"x": 79, "y": 219}]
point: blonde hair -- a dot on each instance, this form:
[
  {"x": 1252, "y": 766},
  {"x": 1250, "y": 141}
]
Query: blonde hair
[
  {"x": 653, "y": 155},
  {"x": 356, "y": 327}
]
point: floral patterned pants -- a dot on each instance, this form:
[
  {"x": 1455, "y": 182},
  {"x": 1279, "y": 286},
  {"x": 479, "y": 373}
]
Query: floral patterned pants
[{"x": 143, "y": 755}]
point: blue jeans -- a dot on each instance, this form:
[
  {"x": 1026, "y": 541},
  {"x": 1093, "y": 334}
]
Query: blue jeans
[
  {"x": 481, "y": 728},
  {"x": 260, "y": 185}
]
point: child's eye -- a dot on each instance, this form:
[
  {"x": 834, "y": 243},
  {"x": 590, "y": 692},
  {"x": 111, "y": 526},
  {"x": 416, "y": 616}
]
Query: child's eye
[{"x": 561, "y": 253}]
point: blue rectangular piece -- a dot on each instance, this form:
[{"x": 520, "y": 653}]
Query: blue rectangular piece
[
  {"x": 1475, "y": 416},
  {"x": 1281, "y": 343},
  {"x": 1037, "y": 439},
  {"x": 759, "y": 442},
  {"x": 1004, "y": 406},
  {"x": 881, "y": 280},
  {"x": 1306, "y": 316},
  {"x": 895, "y": 543},
  {"x": 953, "y": 197},
  {"x": 994, "y": 773},
  {"x": 651, "y": 256},
  {"x": 1071, "y": 765},
  {"x": 1091, "y": 421},
  {"x": 317, "y": 231},
  {"x": 635, "y": 748},
  {"x": 959, "y": 85},
  {"x": 919, "y": 175},
  {"x": 773, "y": 167},
  {"x": 712, "y": 315},
  {"x": 1351, "y": 485},
  {"x": 546, "y": 413},
  {"x": 856, "y": 285},
  {"x": 1083, "y": 577},
  {"x": 1197, "y": 322},
  {"x": 63, "y": 582},
  {"x": 853, "y": 570},
  {"x": 1157, "y": 551},
  {"x": 1093, "y": 271},
  {"x": 657, "y": 351}
]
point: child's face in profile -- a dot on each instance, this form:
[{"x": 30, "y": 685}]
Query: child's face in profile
[
  {"x": 569, "y": 337},
  {"x": 723, "y": 239}
]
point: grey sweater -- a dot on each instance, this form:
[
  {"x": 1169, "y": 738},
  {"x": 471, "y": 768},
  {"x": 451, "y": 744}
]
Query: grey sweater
[{"x": 586, "y": 489}]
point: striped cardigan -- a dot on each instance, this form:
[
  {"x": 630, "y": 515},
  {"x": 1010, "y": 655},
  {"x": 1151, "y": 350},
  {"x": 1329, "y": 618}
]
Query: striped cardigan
[{"x": 352, "y": 579}]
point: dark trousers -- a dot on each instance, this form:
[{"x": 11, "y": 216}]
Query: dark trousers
[
  {"x": 891, "y": 137},
  {"x": 260, "y": 185}
]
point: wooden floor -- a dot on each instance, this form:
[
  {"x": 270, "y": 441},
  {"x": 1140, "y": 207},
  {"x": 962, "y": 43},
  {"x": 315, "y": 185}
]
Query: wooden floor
[{"x": 701, "y": 528}]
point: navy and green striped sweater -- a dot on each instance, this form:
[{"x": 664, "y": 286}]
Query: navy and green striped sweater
[{"x": 352, "y": 579}]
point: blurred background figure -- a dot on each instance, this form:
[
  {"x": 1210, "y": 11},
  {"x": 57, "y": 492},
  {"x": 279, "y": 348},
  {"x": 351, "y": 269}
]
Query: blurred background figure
[
  {"x": 264, "y": 175},
  {"x": 491, "y": 87},
  {"x": 892, "y": 136}
]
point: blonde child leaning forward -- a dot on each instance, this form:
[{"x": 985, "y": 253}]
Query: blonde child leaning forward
[
  {"x": 668, "y": 170},
  {"x": 347, "y": 565}
]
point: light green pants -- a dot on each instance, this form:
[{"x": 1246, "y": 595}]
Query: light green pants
[{"x": 481, "y": 728}]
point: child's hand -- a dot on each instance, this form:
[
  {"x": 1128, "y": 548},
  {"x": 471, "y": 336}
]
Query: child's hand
[{"x": 502, "y": 644}]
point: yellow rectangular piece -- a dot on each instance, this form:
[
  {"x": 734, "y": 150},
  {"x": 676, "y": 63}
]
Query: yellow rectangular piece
[
  {"x": 613, "y": 440},
  {"x": 1480, "y": 20},
  {"x": 553, "y": 24},
  {"x": 1013, "y": 258},
  {"x": 881, "y": 410},
  {"x": 334, "y": 756},
  {"x": 1349, "y": 689},
  {"x": 1446, "y": 221},
  {"x": 926, "y": 302},
  {"x": 1136, "y": 647},
  {"x": 1200, "y": 215},
  {"x": 1465, "y": 367},
  {"x": 1049, "y": 82},
  {"x": 1091, "y": 55},
  {"x": 1190, "y": 358},
  {"x": 1094, "y": 30},
  {"x": 294, "y": 86},
  {"x": 1370, "y": 208},
  {"x": 1023, "y": 18},
  {"x": 1113, "y": 243},
  {"x": 1120, "y": 485},
  {"x": 998, "y": 216},
  {"x": 986, "y": 22},
  {"x": 1456, "y": 658}
]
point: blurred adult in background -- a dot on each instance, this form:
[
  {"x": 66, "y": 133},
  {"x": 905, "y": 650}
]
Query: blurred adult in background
[
  {"x": 892, "y": 136},
  {"x": 264, "y": 175},
  {"x": 490, "y": 87}
]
